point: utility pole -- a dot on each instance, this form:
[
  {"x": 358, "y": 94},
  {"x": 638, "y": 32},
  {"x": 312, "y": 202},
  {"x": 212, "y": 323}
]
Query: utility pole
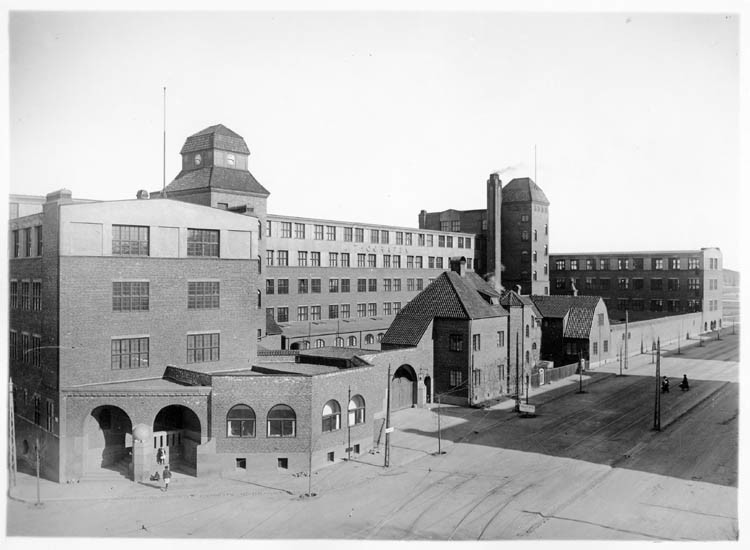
[
  {"x": 348, "y": 428},
  {"x": 657, "y": 400},
  {"x": 38, "y": 489},
  {"x": 440, "y": 451},
  {"x": 518, "y": 392},
  {"x": 580, "y": 370},
  {"x": 388, "y": 421},
  {"x": 619, "y": 356},
  {"x": 164, "y": 149},
  {"x": 13, "y": 467},
  {"x": 309, "y": 467},
  {"x": 627, "y": 336}
]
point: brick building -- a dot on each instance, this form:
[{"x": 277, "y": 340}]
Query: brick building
[{"x": 646, "y": 284}]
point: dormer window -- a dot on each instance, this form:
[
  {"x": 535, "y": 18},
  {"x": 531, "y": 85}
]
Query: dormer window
[
  {"x": 198, "y": 159},
  {"x": 230, "y": 159}
]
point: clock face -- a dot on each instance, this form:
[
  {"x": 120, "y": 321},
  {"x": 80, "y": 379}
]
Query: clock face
[{"x": 198, "y": 159}]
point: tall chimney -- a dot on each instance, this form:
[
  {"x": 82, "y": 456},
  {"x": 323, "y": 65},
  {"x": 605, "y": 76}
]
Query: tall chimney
[
  {"x": 458, "y": 264},
  {"x": 423, "y": 219},
  {"x": 492, "y": 235}
]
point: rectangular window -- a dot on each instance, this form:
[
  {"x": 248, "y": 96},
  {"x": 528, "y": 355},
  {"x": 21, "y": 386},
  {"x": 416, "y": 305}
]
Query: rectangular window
[
  {"x": 637, "y": 264},
  {"x": 449, "y": 241},
  {"x": 315, "y": 313},
  {"x": 467, "y": 242},
  {"x": 456, "y": 342},
  {"x": 282, "y": 314},
  {"x": 387, "y": 308},
  {"x": 37, "y": 410},
  {"x": 657, "y": 263},
  {"x": 299, "y": 230},
  {"x": 25, "y": 348},
  {"x": 374, "y": 236},
  {"x": 129, "y": 353},
  {"x": 439, "y": 262},
  {"x": 268, "y": 228},
  {"x": 694, "y": 263},
  {"x": 303, "y": 286},
  {"x": 600, "y": 319},
  {"x": 345, "y": 311},
  {"x": 333, "y": 285},
  {"x": 431, "y": 262},
  {"x": 420, "y": 284},
  {"x": 36, "y": 295},
  {"x": 476, "y": 342},
  {"x": 345, "y": 285},
  {"x": 674, "y": 263},
  {"x": 589, "y": 283},
  {"x": 202, "y": 348},
  {"x": 361, "y": 310},
  {"x": 203, "y": 242},
  {"x": 130, "y": 240},
  {"x": 501, "y": 339},
  {"x": 270, "y": 286},
  {"x": 420, "y": 239},
  {"x": 16, "y": 243},
  {"x": 605, "y": 346},
  {"x": 386, "y": 260},
  {"x": 330, "y": 232},
  {"x": 315, "y": 286},
  {"x": 387, "y": 286},
  {"x": 638, "y": 284},
  {"x": 410, "y": 285},
  {"x": 270, "y": 313},
  {"x": 430, "y": 240},
  {"x": 13, "y": 344},
  {"x": 315, "y": 259},
  {"x": 441, "y": 241},
  {"x": 623, "y": 283},
  {"x": 396, "y": 261},
  {"x": 333, "y": 312},
  {"x": 359, "y": 235},
  {"x": 384, "y": 239},
  {"x": 694, "y": 284},
  {"x": 282, "y": 257},
  {"x": 604, "y": 284},
  {"x": 344, "y": 259},
  {"x": 656, "y": 284},
  {"x": 657, "y": 305},
  {"x": 361, "y": 285},
  {"x": 477, "y": 377},
  {"x": 559, "y": 284},
  {"x": 371, "y": 260},
  {"x": 396, "y": 308},
  {"x": 408, "y": 239},
  {"x": 36, "y": 350},
  {"x": 302, "y": 258},
  {"x": 372, "y": 285},
  {"x": 27, "y": 242},
  {"x": 456, "y": 225},
  {"x": 282, "y": 286},
  {"x": 333, "y": 259},
  {"x": 269, "y": 257},
  {"x": 559, "y": 265},
  {"x": 372, "y": 310},
  {"x": 397, "y": 285},
  {"x": 418, "y": 262},
  {"x": 348, "y": 231},
  {"x": 201, "y": 295},
  {"x": 591, "y": 264},
  {"x": 623, "y": 304},
  {"x": 399, "y": 237},
  {"x": 455, "y": 378},
  {"x": 445, "y": 225},
  {"x": 410, "y": 262},
  {"x": 14, "y": 294},
  {"x": 596, "y": 348},
  {"x": 286, "y": 230},
  {"x": 574, "y": 265},
  {"x": 673, "y": 306},
  {"x": 50, "y": 415},
  {"x": 636, "y": 304},
  {"x": 361, "y": 259},
  {"x": 132, "y": 296},
  {"x": 318, "y": 232},
  {"x": 25, "y": 295}
]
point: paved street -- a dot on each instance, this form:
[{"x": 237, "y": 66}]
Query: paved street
[{"x": 589, "y": 466}]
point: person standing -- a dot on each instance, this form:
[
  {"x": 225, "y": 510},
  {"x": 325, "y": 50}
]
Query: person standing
[
  {"x": 166, "y": 476},
  {"x": 160, "y": 456}
]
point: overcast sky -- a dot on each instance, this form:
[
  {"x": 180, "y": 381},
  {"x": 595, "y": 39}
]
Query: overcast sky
[{"x": 373, "y": 116}]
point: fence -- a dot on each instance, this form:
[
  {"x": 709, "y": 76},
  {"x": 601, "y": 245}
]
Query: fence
[{"x": 554, "y": 374}]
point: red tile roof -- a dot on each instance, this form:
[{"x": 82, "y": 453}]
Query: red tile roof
[{"x": 216, "y": 177}]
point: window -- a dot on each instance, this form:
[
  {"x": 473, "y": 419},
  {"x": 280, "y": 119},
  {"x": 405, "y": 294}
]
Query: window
[
  {"x": 657, "y": 305},
  {"x": 286, "y": 230},
  {"x": 431, "y": 262},
  {"x": 36, "y": 350},
  {"x": 241, "y": 421},
  {"x": 410, "y": 262},
  {"x": 418, "y": 262},
  {"x": 430, "y": 240},
  {"x": 201, "y": 294},
  {"x": 396, "y": 308},
  {"x": 27, "y": 242},
  {"x": 361, "y": 285},
  {"x": 524, "y": 217},
  {"x": 372, "y": 310},
  {"x": 448, "y": 241},
  {"x": 694, "y": 263},
  {"x": 282, "y": 286},
  {"x": 604, "y": 284},
  {"x": 17, "y": 243},
  {"x": 674, "y": 263},
  {"x": 37, "y": 410},
  {"x": 345, "y": 285},
  {"x": 13, "y": 344},
  {"x": 302, "y": 258},
  {"x": 574, "y": 265},
  {"x": 501, "y": 338},
  {"x": 524, "y": 235},
  {"x": 25, "y": 295},
  {"x": 345, "y": 311},
  {"x": 384, "y": 237},
  {"x": 387, "y": 286},
  {"x": 410, "y": 285},
  {"x": 203, "y": 242},
  {"x": 359, "y": 235},
  {"x": 269, "y": 286},
  {"x": 534, "y": 276},
  {"x": 638, "y": 284},
  {"x": 476, "y": 340},
  {"x": 387, "y": 308},
  {"x": 588, "y": 283},
  {"x": 344, "y": 259},
  {"x": 331, "y": 416},
  {"x": 361, "y": 260},
  {"x": 371, "y": 260},
  {"x": 441, "y": 241},
  {"x": 559, "y": 265},
  {"x": 330, "y": 232},
  {"x": 356, "y": 410},
  {"x": 303, "y": 313},
  {"x": 50, "y": 415},
  {"x": 460, "y": 243},
  {"x": 303, "y": 286},
  {"x": 623, "y": 264},
  {"x": 131, "y": 296},
  {"x": 361, "y": 310},
  {"x": 656, "y": 284},
  {"x": 396, "y": 261},
  {"x": 333, "y": 259},
  {"x": 636, "y": 304},
  {"x": 282, "y": 257},
  {"x": 333, "y": 311},
  {"x": 129, "y": 353},
  {"x": 420, "y": 284},
  {"x": 397, "y": 285},
  {"x": 315, "y": 314},
  {"x": 299, "y": 230},
  {"x": 352, "y": 341},
  {"x": 319, "y": 343},
  {"x": 333, "y": 285},
  {"x": 477, "y": 377},
  {"x": 439, "y": 262},
  {"x": 129, "y": 240},
  {"x": 658, "y": 263},
  {"x": 456, "y": 225},
  {"x": 202, "y": 348},
  {"x": 26, "y": 348},
  {"x": 36, "y": 295},
  {"x": 374, "y": 236},
  {"x": 318, "y": 232},
  {"x": 623, "y": 283},
  {"x": 339, "y": 343},
  {"x": 694, "y": 284},
  {"x": 455, "y": 378},
  {"x": 535, "y": 235},
  {"x": 420, "y": 239},
  {"x": 348, "y": 231},
  {"x": 596, "y": 348},
  {"x": 559, "y": 284},
  {"x": 269, "y": 257},
  {"x": 14, "y": 294},
  {"x": 637, "y": 264},
  {"x": 282, "y": 314},
  {"x": 445, "y": 226},
  {"x": 605, "y": 346},
  {"x": 527, "y": 331},
  {"x": 673, "y": 306},
  {"x": 467, "y": 241},
  {"x": 282, "y": 422},
  {"x": 372, "y": 285}
]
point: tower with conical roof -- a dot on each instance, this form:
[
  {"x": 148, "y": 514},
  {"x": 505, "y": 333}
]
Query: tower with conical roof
[{"x": 525, "y": 237}]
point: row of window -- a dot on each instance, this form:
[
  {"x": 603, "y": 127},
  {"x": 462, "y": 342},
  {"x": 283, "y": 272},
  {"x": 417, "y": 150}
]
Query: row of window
[
  {"x": 525, "y": 236},
  {"x": 456, "y": 341},
  {"x": 313, "y": 286},
  {"x": 625, "y": 283},
  {"x": 134, "y": 240},
  {"x": 49, "y": 425},
  {"x": 340, "y": 341},
  {"x": 281, "y": 420},
  {"x": 534, "y": 256},
  {"x": 335, "y": 311},
  {"x": 343, "y": 259},
  {"x": 134, "y": 295},
  {"x": 624, "y": 264},
  {"x": 320, "y": 232},
  {"x": 133, "y": 353},
  {"x": 605, "y": 347},
  {"x": 23, "y": 241},
  {"x": 657, "y": 304},
  {"x": 26, "y": 295},
  {"x": 27, "y": 349}
]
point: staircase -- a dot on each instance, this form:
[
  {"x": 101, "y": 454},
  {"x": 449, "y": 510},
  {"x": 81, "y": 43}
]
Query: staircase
[{"x": 116, "y": 472}]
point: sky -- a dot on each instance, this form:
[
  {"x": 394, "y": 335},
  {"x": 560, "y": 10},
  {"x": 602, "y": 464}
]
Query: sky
[{"x": 372, "y": 116}]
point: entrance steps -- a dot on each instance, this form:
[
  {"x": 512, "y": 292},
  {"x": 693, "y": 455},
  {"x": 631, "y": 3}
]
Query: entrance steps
[{"x": 118, "y": 471}]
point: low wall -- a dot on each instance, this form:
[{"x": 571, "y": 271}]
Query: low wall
[{"x": 643, "y": 334}]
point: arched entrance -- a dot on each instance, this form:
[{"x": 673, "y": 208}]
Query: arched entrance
[
  {"x": 403, "y": 388},
  {"x": 107, "y": 441},
  {"x": 177, "y": 430}
]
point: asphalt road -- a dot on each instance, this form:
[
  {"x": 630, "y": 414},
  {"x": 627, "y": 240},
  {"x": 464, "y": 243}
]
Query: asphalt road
[{"x": 589, "y": 466}]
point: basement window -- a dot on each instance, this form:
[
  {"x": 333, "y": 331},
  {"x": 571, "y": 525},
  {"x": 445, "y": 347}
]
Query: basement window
[
  {"x": 282, "y": 463},
  {"x": 330, "y": 457},
  {"x": 240, "y": 463}
]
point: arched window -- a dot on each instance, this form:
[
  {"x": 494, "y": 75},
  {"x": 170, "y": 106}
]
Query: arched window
[
  {"x": 533, "y": 346},
  {"x": 356, "y": 410},
  {"x": 352, "y": 341},
  {"x": 380, "y": 337},
  {"x": 527, "y": 331},
  {"x": 259, "y": 299},
  {"x": 282, "y": 422},
  {"x": 241, "y": 421},
  {"x": 319, "y": 343},
  {"x": 331, "y": 416},
  {"x": 305, "y": 344},
  {"x": 369, "y": 339},
  {"x": 339, "y": 342}
]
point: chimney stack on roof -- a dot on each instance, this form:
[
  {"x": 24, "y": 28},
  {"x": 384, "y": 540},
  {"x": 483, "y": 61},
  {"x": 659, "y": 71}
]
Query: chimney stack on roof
[
  {"x": 518, "y": 289},
  {"x": 573, "y": 287},
  {"x": 62, "y": 196},
  {"x": 458, "y": 264}
]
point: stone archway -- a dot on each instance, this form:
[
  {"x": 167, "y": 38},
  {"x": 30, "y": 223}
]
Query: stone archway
[
  {"x": 107, "y": 442},
  {"x": 177, "y": 430},
  {"x": 403, "y": 388}
]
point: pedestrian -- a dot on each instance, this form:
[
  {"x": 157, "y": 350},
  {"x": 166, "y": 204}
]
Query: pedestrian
[
  {"x": 684, "y": 385},
  {"x": 166, "y": 476},
  {"x": 665, "y": 385},
  {"x": 160, "y": 456}
]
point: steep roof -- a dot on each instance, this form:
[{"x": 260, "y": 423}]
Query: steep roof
[
  {"x": 272, "y": 328},
  {"x": 449, "y": 296},
  {"x": 579, "y": 322},
  {"x": 217, "y": 177},
  {"x": 217, "y": 136},
  {"x": 578, "y": 312},
  {"x": 523, "y": 190}
]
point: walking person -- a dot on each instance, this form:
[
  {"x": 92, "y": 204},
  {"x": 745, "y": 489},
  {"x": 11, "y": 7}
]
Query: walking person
[
  {"x": 684, "y": 385},
  {"x": 665, "y": 385},
  {"x": 160, "y": 456},
  {"x": 166, "y": 476}
]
